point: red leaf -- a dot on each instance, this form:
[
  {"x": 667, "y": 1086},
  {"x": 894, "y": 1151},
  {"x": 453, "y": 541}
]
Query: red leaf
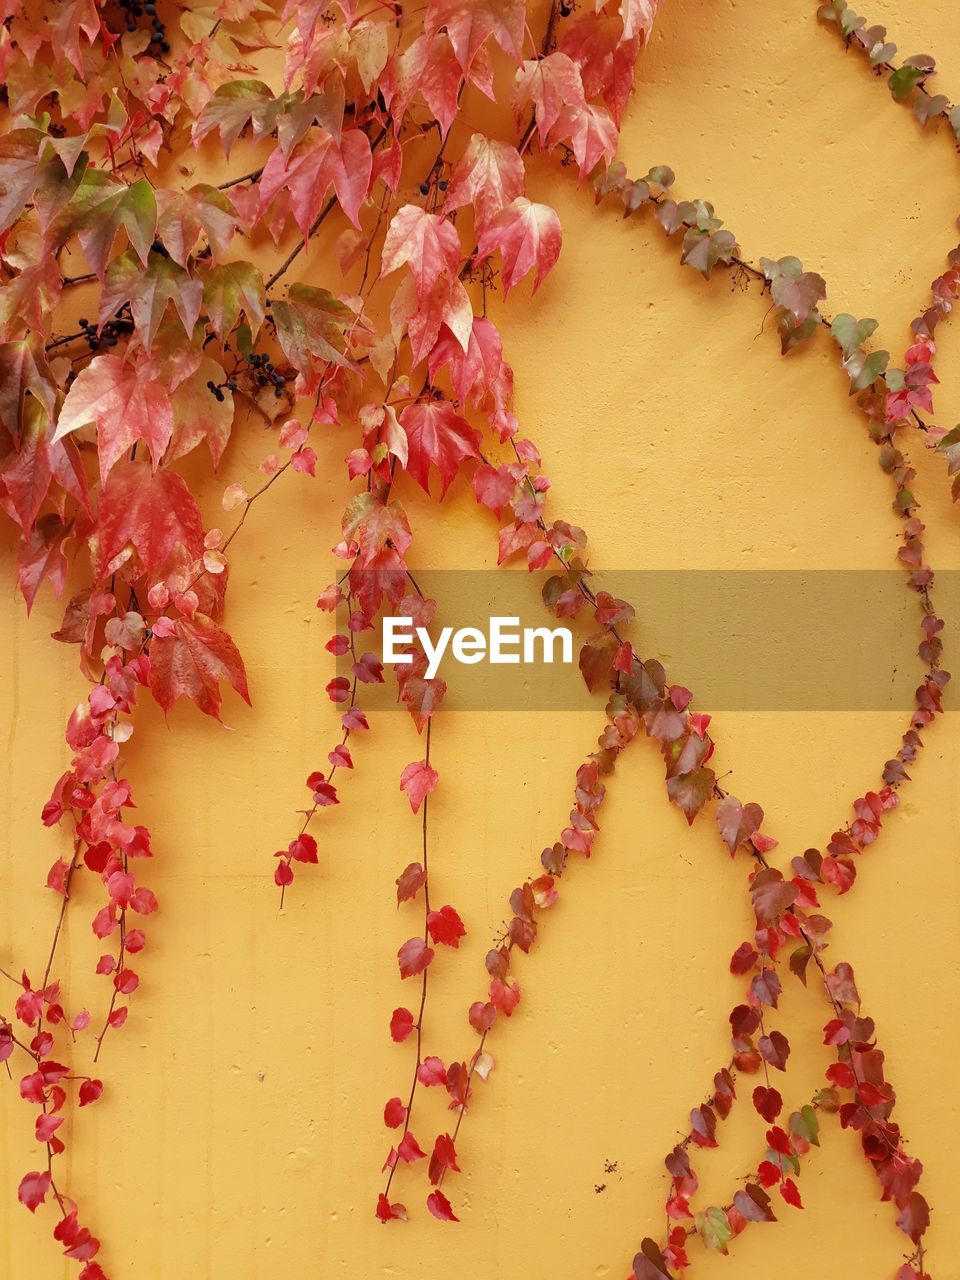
[
  {"x": 444, "y": 1157},
  {"x": 504, "y": 997},
  {"x": 470, "y": 23},
  {"x": 125, "y": 405},
  {"x": 90, "y": 1091},
  {"x": 446, "y": 927},
  {"x": 193, "y": 662},
  {"x": 418, "y": 780},
  {"x": 428, "y": 243},
  {"x": 437, "y": 434},
  {"x": 410, "y": 881},
  {"x": 528, "y": 237},
  {"x": 791, "y": 1193},
  {"x": 414, "y": 956},
  {"x": 394, "y": 1113},
  {"x": 439, "y": 1206},
  {"x": 768, "y": 1102},
  {"x": 409, "y": 1150},
  {"x": 488, "y": 175},
  {"x": 387, "y": 1211},
  {"x": 494, "y": 486},
  {"x": 401, "y": 1024},
  {"x": 33, "y": 1188},
  {"x": 303, "y": 848},
  {"x": 153, "y": 514},
  {"x": 432, "y": 1071},
  {"x": 317, "y": 163},
  {"x": 915, "y": 1217}
]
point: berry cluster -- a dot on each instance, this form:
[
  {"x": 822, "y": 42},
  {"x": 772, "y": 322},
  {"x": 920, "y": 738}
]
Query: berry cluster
[
  {"x": 265, "y": 373},
  {"x": 107, "y": 336},
  {"x": 136, "y": 9}
]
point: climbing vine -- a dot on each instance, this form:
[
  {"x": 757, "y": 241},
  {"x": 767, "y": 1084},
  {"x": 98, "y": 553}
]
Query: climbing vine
[{"x": 136, "y": 329}]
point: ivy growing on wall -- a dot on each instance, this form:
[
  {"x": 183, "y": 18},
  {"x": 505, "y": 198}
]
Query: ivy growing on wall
[{"x": 364, "y": 117}]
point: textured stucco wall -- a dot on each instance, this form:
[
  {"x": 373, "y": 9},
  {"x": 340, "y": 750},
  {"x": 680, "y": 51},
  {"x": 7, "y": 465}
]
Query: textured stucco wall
[{"x": 242, "y": 1133}]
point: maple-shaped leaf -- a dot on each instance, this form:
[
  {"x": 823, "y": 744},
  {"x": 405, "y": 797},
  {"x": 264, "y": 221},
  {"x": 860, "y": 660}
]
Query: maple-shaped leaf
[
  {"x": 478, "y": 373},
  {"x": 605, "y": 59},
  {"x": 593, "y": 137},
  {"x": 315, "y": 165},
  {"x": 149, "y": 515},
  {"x": 312, "y": 326},
  {"x": 437, "y": 434},
  {"x": 417, "y": 781},
  {"x": 183, "y": 215},
  {"x": 192, "y": 662},
  {"x": 123, "y": 405},
  {"x": 528, "y": 236},
  {"x": 446, "y": 303},
  {"x": 554, "y": 87},
  {"x": 429, "y": 67},
  {"x": 494, "y": 487},
  {"x": 99, "y": 207},
  {"x": 26, "y": 474},
  {"x": 638, "y": 17},
  {"x": 235, "y": 105},
  {"x": 425, "y": 241},
  {"x": 19, "y": 162},
  {"x": 489, "y": 175},
  {"x": 470, "y": 23},
  {"x": 28, "y": 301},
  {"x": 233, "y": 289},
  {"x": 24, "y": 374},
  {"x": 198, "y": 415},
  {"x": 149, "y": 292},
  {"x": 41, "y": 556},
  {"x": 376, "y": 525}
]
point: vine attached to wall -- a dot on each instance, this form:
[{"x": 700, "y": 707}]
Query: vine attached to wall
[{"x": 366, "y": 122}]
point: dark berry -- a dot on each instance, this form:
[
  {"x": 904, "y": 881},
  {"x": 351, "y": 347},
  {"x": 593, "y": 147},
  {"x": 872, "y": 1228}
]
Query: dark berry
[{"x": 424, "y": 188}]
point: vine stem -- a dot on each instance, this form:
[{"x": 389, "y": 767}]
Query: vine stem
[{"x": 423, "y": 987}]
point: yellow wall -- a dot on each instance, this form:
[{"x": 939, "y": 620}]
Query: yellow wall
[{"x": 241, "y": 1133}]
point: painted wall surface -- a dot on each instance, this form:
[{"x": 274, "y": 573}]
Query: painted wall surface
[{"x": 241, "y": 1136}]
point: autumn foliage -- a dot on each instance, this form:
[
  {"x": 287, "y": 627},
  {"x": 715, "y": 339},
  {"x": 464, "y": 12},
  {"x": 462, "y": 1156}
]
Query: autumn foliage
[{"x": 137, "y": 330}]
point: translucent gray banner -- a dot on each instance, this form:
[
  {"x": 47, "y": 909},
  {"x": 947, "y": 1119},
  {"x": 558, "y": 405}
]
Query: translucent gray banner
[{"x": 742, "y": 640}]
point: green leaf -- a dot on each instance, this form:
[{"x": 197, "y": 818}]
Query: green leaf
[
  {"x": 851, "y": 333},
  {"x": 235, "y": 105},
  {"x": 949, "y": 446},
  {"x": 661, "y": 175},
  {"x": 794, "y": 335},
  {"x": 864, "y": 369},
  {"x": 714, "y": 1228},
  {"x": 804, "y": 1124},
  {"x": 231, "y": 289},
  {"x": 903, "y": 81},
  {"x": 149, "y": 293},
  {"x": 311, "y": 326}
]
